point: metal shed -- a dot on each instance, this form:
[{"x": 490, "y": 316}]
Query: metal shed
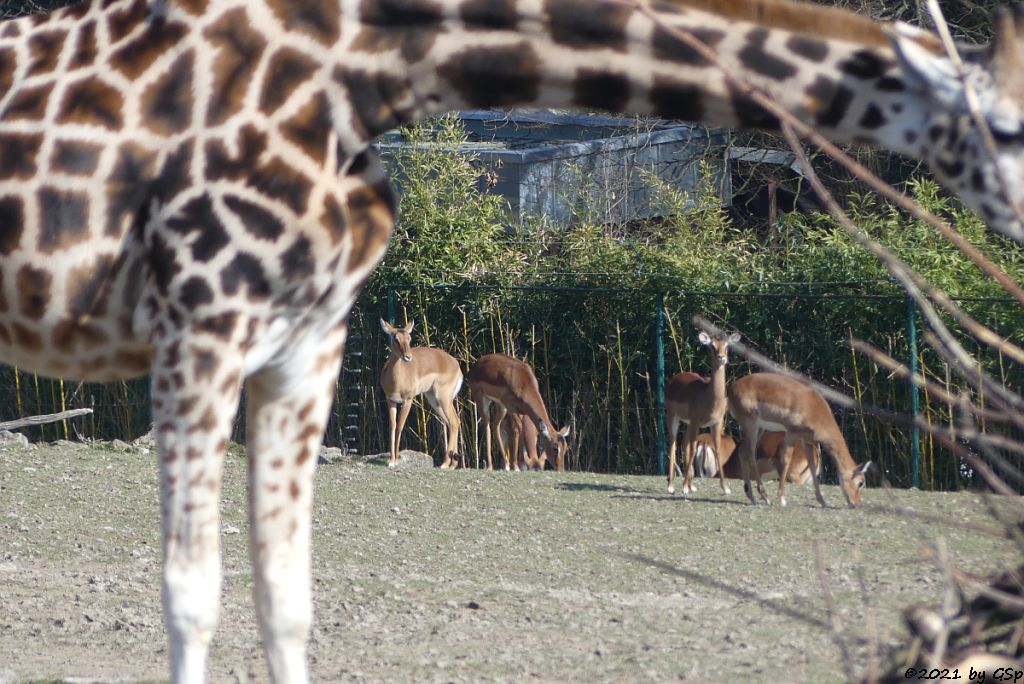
[{"x": 566, "y": 166}]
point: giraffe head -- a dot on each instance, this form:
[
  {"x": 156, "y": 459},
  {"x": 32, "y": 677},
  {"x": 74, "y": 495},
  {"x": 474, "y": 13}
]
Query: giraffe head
[
  {"x": 401, "y": 339},
  {"x": 952, "y": 142}
]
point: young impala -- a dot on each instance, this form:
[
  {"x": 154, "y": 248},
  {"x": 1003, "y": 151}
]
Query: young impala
[
  {"x": 768, "y": 401},
  {"x": 411, "y": 371}
]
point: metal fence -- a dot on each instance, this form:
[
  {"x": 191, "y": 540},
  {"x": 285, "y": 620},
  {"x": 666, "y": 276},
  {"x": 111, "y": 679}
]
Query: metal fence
[{"x": 602, "y": 356}]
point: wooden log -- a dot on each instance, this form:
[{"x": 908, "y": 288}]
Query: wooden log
[{"x": 41, "y": 420}]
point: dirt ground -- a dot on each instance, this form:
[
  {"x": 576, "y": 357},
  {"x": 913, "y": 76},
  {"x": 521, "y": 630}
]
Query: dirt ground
[{"x": 436, "y": 576}]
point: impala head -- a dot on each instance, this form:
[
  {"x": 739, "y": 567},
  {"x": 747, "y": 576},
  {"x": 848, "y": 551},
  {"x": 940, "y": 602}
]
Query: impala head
[
  {"x": 719, "y": 347},
  {"x": 947, "y": 135},
  {"x": 401, "y": 339},
  {"x": 560, "y": 442},
  {"x": 853, "y": 484}
]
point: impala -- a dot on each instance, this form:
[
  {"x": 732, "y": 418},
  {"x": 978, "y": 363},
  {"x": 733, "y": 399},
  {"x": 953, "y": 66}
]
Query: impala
[
  {"x": 698, "y": 402},
  {"x": 525, "y": 448},
  {"x": 509, "y": 385},
  {"x": 768, "y": 401},
  {"x": 769, "y": 461},
  {"x": 411, "y": 371}
]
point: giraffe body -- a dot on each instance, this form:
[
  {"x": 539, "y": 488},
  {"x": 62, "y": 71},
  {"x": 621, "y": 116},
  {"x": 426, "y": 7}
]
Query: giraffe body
[{"x": 186, "y": 189}]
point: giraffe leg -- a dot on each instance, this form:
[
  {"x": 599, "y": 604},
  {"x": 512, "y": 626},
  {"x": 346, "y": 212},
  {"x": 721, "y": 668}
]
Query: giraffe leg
[
  {"x": 286, "y": 411},
  {"x": 195, "y": 398}
]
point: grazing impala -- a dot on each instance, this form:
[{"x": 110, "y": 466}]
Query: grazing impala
[
  {"x": 698, "y": 402},
  {"x": 510, "y": 386},
  {"x": 768, "y": 401},
  {"x": 769, "y": 461},
  {"x": 411, "y": 371},
  {"x": 525, "y": 446}
]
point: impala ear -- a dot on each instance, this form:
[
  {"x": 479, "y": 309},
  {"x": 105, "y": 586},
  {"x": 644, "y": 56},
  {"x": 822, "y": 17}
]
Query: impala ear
[
  {"x": 385, "y": 327},
  {"x": 704, "y": 337},
  {"x": 409, "y": 327},
  {"x": 734, "y": 338},
  {"x": 862, "y": 468},
  {"x": 565, "y": 431}
]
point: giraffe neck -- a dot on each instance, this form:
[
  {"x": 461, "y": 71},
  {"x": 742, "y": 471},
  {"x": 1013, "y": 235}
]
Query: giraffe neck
[{"x": 611, "y": 56}]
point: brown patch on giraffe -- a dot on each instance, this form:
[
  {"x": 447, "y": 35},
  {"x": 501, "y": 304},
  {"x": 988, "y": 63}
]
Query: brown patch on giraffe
[
  {"x": 374, "y": 97},
  {"x": 756, "y": 58},
  {"x": 279, "y": 181},
  {"x": 88, "y": 287},
  {"x": 238, "y": 48},
  {"x": 490, "y": 76},
  {"x": 123, "y": 22},
  {"x": 75, "y": 157},
  {"x": 245, "y": 271},
  {"x": 595, "y": 88},
  {"x": 44, "y": 51},
  {"x": 8, "y": 63},
  {"x": 286, "y": 70},
  {"x": 220, "y": 164},
  {"x": 199, "y": 223},
  {"x": 667, "y": 46},
  {"x": 26, "y": 339},
  {"x": 63, "y": 219},
  {"x": 170, "y": 456},
  {"x": 204, "y": 364},
  {"x": 306, "y": 410},
  {"x": 198, "y": 477},
  {"x": 319, "y": 19},
  {"x": 192, "y": 453},
  {"x": 412, "y": 44},
  {"x": 293, "y": 490},
  {"x": 10, "y": 29},
  {"x": 270, "y": 515},
  {"x": 33, "y": 287},
  {"x": 293, "y": 527},
  {"x": 135, "y": 363},
  {"x": 311, "y": 128},
  {"x": 91, "y": 102},
  {"x": 167, "y": 103},
  {"x": 583, "y": 24},
  {"x": 12, "y": 223},
  {"x": 18, "y": 159},
  {"x": 208, "y": 423},
  {"x": 193, "y": 7},
  {"x": 29, "y": 103},
  {"x": 135, "y": 57},
  {"x": 69, "y": 334},
  {"x": 262, "y": 223},
  {"x": 212, "y": 485},
  {"x": 222, "y": 325},
  {"x": 371, "y": 210},
  {"x": 277, "y": 463},
  {"x": 126, "y": 196},
  {"x": 297, "y": 262},
  {"x": 185, "y": 406},
  {"x": 494, "y": 15},
  {"x": 272, "y": 487},
  {"x": 85, "y": 46}
]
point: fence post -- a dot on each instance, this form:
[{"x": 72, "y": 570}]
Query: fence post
[
  {"x": 659, "y": 379},
  {"x": 915, "y": 397}
]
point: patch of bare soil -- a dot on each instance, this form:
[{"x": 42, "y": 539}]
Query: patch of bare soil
[{"x": 429, "y": 575}]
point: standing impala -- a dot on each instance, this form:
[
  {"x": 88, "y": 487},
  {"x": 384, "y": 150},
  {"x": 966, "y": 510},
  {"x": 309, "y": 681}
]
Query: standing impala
[
  {"x": 768, "y": 401},
  {"x": 526, "y": 450},
  {"x": 511, "y": 387},
  {"x": 411, "y": 371},
  {"x": 698, "y": 402}
]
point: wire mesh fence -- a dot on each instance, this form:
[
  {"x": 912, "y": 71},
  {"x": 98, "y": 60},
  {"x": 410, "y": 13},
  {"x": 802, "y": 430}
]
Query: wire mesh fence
[{"x": 596, "y": 355}]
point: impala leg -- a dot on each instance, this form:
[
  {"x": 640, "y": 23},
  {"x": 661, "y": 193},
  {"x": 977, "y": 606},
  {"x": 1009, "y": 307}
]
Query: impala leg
[
  {"x": 195, "y": 397},
  {"x": 814, "y": 452},
  {"x": 454, "y": 424},
  {"x": 402, "y": 417},
  {"x": 286, "y": 411},
  {"x": 784, "y": 456},
  {"x": 690, "y": 446},
  {"x": 716, "y": 438},
  {"x": 485, "y": 413},
  {"x": 392, "y": 425},
  {"x": 671, "y": 433},
  {"x": 496, "y": 418}
]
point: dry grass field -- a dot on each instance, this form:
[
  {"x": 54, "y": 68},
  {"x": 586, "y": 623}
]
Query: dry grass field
[{"x": 427, "y": 575}]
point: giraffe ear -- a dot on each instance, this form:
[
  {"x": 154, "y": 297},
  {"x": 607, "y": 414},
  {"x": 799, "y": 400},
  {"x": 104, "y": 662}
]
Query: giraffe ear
[{"x": 925, "y": 67}]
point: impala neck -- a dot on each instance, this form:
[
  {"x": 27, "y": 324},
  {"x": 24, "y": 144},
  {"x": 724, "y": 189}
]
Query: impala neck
[{"x": 617, "y": 57}]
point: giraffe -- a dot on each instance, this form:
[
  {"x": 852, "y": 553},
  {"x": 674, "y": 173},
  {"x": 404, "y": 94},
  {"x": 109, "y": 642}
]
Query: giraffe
[{"x": 187, "y": 190}]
